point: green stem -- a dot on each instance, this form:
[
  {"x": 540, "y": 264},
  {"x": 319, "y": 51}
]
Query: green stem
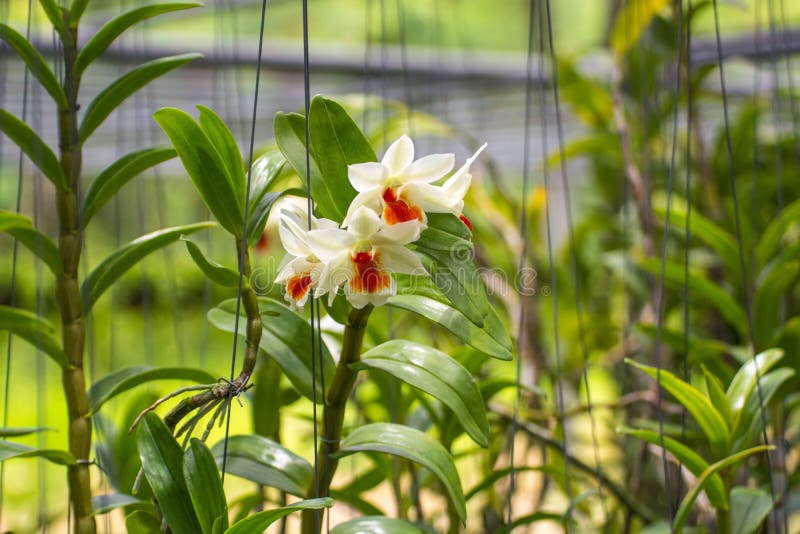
[
  {"x": 334, "y": 410},
  {"x": 723, "y": 521}
]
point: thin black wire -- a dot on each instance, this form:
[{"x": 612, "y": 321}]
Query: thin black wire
[
  {"x": 407, "y": 91},
  {"x": 312, "y": 307},
  {"x": 524, "y": 235},
  {"x": 14, "y": 256},
  {"x": 559, "y": 387},
  {"x": 745, "y": 284},
  {"x": 243, "y": 244},
  {"x": 367, "y": 58},
  {"x": 573, "y": 255},
  {"x": 660, "y": 292}
]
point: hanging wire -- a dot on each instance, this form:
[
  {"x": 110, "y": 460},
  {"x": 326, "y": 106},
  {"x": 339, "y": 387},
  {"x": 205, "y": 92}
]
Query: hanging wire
[
  {"x": 243, "y": 244},
  {"x": 524, "y": 236},
  {"x": 745, "y": 283},
  {"x": 573, "y": 254},
  {"x": 14, "y": 255},
  {"x": 559, "y": 386}
]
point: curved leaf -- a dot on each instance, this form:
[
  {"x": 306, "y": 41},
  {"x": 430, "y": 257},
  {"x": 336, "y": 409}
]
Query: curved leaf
[
  {"x": 36, "y": 149},
  {"x": 631, "y": 21},
  {"x": 120, "y": 89},
  {"x": 122, "y": 259},
  {"x": 337, "y": 142},
  {"x": 263, "y": 173},
  {"x": 221, "y": 137},
  {"x": 688, "y": 501},
  {"x": 35, "y": 62},
  {"x": 413, "y": 445},
  {"x": 260, "y": 521},
  {"x": 55, "y": 15},
  {"x": 33, "y": 329},
  {"x": 770, "y": 241},
  {"x": 128, "y": 378},
  {"x": 499, "y": 474},
  {"x": 707, "y": 416},
  {"x": 769, "y": 293},
  {"x": 118, "y": 174},
  {"x": 482, "y": 339},
  {"x": 219, "y": 274},
  {"x": 715, "y": 488},
  {"x": 437, "y": 374},
  {"x": 749, "y": 424},
  {"x": 744, "y": 380},
  {"x": 10, "y": 450},
  {"x": 102, "y": 504},
  {"x": 205, "y": 167},
  {"x": 10, "y": 432},
  {"x": 265, "y": 462},
  {"x": 22, "y": 229},
  {"x": 112, "y": 29},
  {"x": 376, "y": 525},
  {"x": 162, "y": 463},
  {"x": 749, "y": 508},
  {"x": 205, "y": 487},
  {"x": 285, "y": 337},
  {"x": 142, "y": 523}
]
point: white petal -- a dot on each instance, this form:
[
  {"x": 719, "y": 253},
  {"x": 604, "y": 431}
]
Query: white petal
[
  {"x": 399, "y": 155},
  {"x": 293, "y": 237},
  {"x": 430, "y": 168},
  {"x": 359, "y": 300},
  {"x": 336, "y": 272},
  {"x": 457, "y": 186},
  {"x": 464, "y": 169},
  {"x": 286, "y": 268},
  {"x": 399, "y": 260},
  {"x": 429, "y": 198},
  {"x": 364, "y": 223},
  {"x": 327, "y": 243},
  {"x": 295, "y": 213},
  {"x": 370, "y": 199},
  {"x": 398, "y": 234},
  {"x": 323, "y": 224},
  {"x": 366, "y": 176}
]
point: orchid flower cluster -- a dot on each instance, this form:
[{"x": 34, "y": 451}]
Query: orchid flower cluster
[{"x": 388, "y": 213}]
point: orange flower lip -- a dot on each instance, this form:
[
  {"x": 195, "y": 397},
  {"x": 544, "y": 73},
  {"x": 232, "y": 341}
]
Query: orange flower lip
[
  {"x": 298, "y": 286},
  {"x": 397, "y": 210},
  {"x": 369, "y": 278}
]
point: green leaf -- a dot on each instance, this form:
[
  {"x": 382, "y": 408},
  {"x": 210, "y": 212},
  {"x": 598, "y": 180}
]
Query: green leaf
[
  {"x": 205, "y": 167},
  {"x": 215, "y": 272},
  {"x": 33, "y": 329},
  {"x": 290, "y": 136},
  {"x": 702, "y": 290},
  {"x": 634, "y": 17},
  {"x": 766, "y": 308},
  {"x": 118, "y": 174},
  {"x": 265, "y": 462},
  {"x": 688, "y": 501},
  {"x": 376, "y": 525},
  {"x": 10, "y": 450},
  {"x": 266, "y": 409},
  {"x": 263, "y": 173},
  {"x": 749, "y": 424},
  {"x": 205, "y": 487},
  {"x": 112, "y": 29},
  {"x": 122, "y": 259},
  {"x": 162, "y": 463},
  {"x": 76, "y": 10},
  {"x": 707, "y": 416},
  {"x": 715, "y": 488},
  {"x": 142, "y": 523},
  {"x": 437, "y": 374},
  {"x": 413, "y": 445},
  {"x": 337, "y": 142},
  {"x": 770, "y": 242},
  {"x": 260, "y": 521},
  {"x": 36, "y": 149},
  {"x": 259, "y": 212},
  {"x": 499, "y": 474},
  {"x": 482, "y": 339},
  {"x": 120, "y": 89},
  {"x": 285, "y": 336},
  {"x": 749, "y": 508},
  {"x": 744, "y": 381},
  {"x": 221, "y": 137},
  {"x": 128, "y": 378},
  {"x": 102, "y": 504},
  {"x": 36, "y": 63},
  {"x": 22, "y": 229},
  {"x": 716, "y": 392},
  {"x": 12, "y": 432},
  {"x": 55, "y": 16}
]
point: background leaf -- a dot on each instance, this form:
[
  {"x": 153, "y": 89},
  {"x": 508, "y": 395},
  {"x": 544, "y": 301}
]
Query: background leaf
[
  {"x": 142, "y": 523},
  {"x": 219, "y": 274},
  {"x": 22, "y": 229},
  {"x": 10, "y": 450},
  {"x": 36, "y": 149},
  {"x": 260, "y": 521},
  {"x": 749, "y": 508},
  {"x": 222, "y": 139},
  {"x": 36, "y": 64},
  {"x": 376, "y": 525},
  {"x": 33, "y": 329},
  {"x": 413, "y": 445},
  {"x": 118, "y": 262},
  {"x": 205, "y": 487}
]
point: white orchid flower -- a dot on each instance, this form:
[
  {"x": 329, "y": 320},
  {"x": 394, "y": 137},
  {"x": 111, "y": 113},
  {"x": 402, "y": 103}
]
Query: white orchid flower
[
  {"x": 300, "y": 269},
  {"x": 363, "y": 257},
  {"x": 400, "y": 188}
]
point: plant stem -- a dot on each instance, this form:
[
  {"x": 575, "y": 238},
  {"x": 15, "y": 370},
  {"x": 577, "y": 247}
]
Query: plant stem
[
  {"x": 73, "y": 329},
  {"x": 723, "y": 521},
  {"x": 334, "y": 410}
]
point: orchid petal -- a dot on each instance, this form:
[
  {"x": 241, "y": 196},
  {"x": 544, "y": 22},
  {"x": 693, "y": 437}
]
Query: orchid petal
[
  {"x": 430, "y": 198},
  {"x": 429, "y": 169},
  {"x": 364, "y": 223},
  {"x": 297, "y": 266},
  {"x": 336, "y": 272},
  {"x": 366, "y": 176},
  {"x": 398, "y": 234},
  {"x": 456, "y": 187},
  {"x": 398, "y": 259},
  {"x": 293, "y": 237},
  {"x": 378, "y": 298},
  {"x": 399, "y": 155},
  {"x": 371, "y": 199},
  {"x": 327, "y": 243}
]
